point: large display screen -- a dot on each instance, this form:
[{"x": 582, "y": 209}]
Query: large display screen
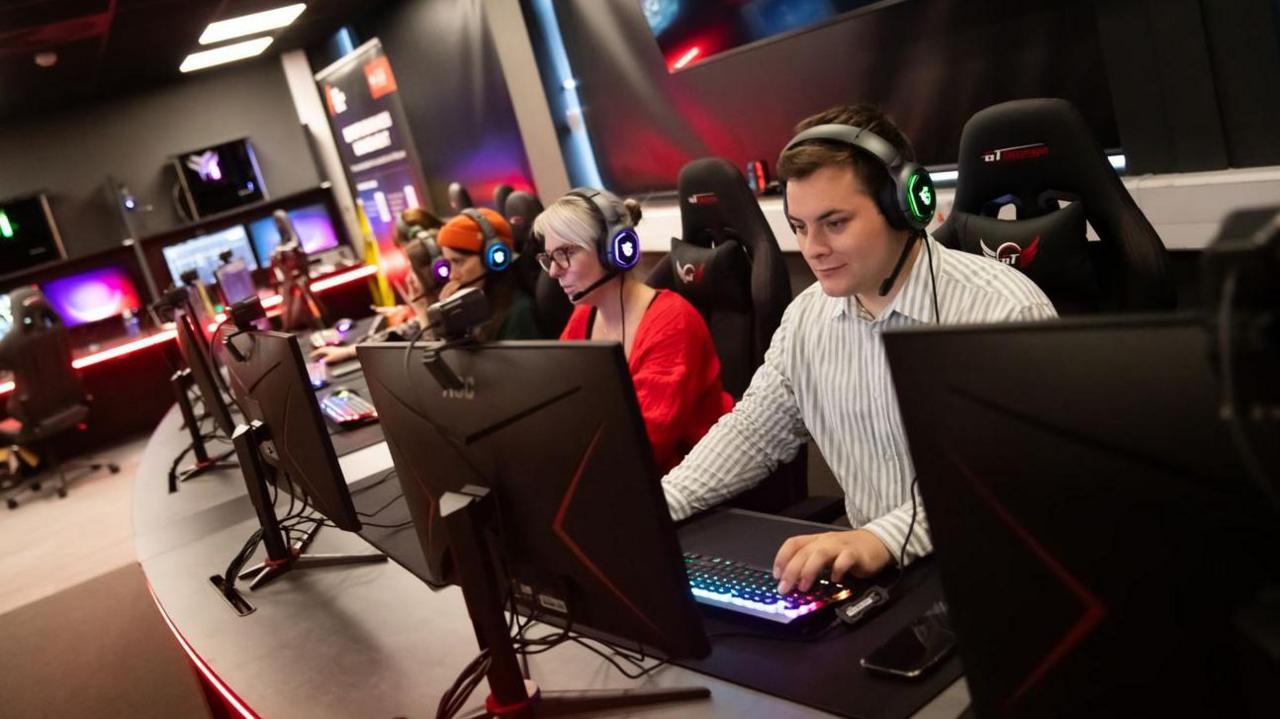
[
  {"x": 28, "y": 235},
  {"x": 201, "y": 253},
  {"x": 689, "y": 32},
  {"x": 312, "y": 223},
  {"x": 219, "y": 178},
  {"x": 92, "y": 296}
]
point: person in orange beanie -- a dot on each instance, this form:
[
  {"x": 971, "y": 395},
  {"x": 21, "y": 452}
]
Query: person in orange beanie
[{"x": 479, "y": 248}]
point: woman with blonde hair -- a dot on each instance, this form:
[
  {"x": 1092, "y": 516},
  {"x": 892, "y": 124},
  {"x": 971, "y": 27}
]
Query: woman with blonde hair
[{"x": 590, "y": 246}]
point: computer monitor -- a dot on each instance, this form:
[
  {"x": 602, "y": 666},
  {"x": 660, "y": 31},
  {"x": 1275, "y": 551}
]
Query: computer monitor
[
  {"x": 1095, "y": 528},
  {"x": 235, "y": 282},
  {"x": 28, "y": 234},
  {"x": 92, "y": 296},
  {"x": 202, "y": 253},
  {"x": 314, "y": 226},
  {"x": 554, "y": 432},
  {"x": 285, "y": 435},
  {"x": 220, "y": 177},
  {"x": 195, "y": 353},
  {"x": 271, "y": 385}
]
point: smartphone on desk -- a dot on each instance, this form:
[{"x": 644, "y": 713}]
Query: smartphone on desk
[{"x": 916, "y": 648}]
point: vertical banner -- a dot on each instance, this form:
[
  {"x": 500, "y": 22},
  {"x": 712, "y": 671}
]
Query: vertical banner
[{"x": 372, "y": 132}]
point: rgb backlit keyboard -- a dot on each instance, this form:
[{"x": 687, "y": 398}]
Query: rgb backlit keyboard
[{"x": 744, "y": 589}]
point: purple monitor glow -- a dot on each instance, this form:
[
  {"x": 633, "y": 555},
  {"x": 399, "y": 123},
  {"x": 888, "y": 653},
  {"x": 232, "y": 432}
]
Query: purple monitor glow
[
  {"x": 92, "y": 296},
  {"x": 312, "y": 223}
]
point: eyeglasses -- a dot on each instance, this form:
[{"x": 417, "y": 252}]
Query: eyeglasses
[{"x": 562, "y": 256}]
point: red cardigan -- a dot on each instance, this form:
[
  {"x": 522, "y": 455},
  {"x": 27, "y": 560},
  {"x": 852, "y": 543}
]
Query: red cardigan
[{"x": 675, "y": 371}]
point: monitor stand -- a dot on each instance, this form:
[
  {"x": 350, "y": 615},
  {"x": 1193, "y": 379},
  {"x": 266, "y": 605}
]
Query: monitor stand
[
  {"x": 181, "y": 382},
  {"x": 281, "y": 557},
  {"x": 468, "y": 518}
]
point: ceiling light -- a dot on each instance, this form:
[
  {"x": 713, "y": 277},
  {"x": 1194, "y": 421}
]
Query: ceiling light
[
  {"x": 46, "y": 59},
  {"x": 226, "y": 53},
  {"x": 251, "y": 24}
]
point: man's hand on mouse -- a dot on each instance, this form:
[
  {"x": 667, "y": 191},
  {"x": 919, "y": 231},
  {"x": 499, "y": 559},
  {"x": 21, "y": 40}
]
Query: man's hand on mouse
[{"x": 803, "y": 559}]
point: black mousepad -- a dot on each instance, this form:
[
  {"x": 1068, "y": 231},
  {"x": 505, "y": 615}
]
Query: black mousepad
[{"x": 821, "y": 671}]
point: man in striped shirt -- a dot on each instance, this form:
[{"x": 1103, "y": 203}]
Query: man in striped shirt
[{"x": 825, "y": 374}]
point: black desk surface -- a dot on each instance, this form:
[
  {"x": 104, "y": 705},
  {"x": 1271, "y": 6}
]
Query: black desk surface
[{"x": 374, "y": 641}]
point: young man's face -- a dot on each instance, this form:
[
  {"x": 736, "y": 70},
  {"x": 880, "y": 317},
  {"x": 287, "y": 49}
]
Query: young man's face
[{"x": 845, "y": 240}]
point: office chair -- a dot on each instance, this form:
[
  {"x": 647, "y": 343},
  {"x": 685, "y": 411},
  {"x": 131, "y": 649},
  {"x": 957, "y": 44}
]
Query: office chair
[
  {"x": 1040, "y": 156},
  {"x": 48, "y": 400},
  {"x": 728, "y": 265},
  {"x": 459, "y": 198},
  {"x": 500, "y": 195},
  {"x": 550, "y": 303}
]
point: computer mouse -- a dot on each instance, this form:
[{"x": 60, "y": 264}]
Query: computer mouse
[
  {"x": 344, "y": 325},
  {"x": 855, "y": 610}
]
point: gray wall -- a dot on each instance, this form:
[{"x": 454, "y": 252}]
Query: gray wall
[{"x": 69, "y": 154}]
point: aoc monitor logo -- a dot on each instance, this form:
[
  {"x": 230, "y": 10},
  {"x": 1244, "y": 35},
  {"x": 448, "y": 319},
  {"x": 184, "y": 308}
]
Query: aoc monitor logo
[
  {"x": 1016, "y": 153},
  {"x": 206, "y": 165},
  {"x": 1013, "y": 254},
  {"x": 467, "y": 391}
]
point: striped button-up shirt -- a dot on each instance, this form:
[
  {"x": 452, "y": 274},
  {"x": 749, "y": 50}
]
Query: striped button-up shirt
[{"x": 826, "y": 376}]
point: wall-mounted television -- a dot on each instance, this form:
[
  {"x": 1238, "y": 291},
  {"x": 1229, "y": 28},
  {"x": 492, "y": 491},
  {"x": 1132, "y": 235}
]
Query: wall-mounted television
[
  {"x": 219, "y": 177},
  {"x": 691, "y": 32},
  {"x": 93, "y": 295},
  {"x": 28, "y": 234}
]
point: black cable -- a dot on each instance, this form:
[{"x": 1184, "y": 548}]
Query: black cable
[
  {"x": 622, "y": 312},
  {"x": 902, "y": 552}
]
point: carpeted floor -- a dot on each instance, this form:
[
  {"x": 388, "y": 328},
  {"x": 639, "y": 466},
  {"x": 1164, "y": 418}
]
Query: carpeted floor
[
  {"x": 97, "y": 649},
  {"x": 49, "y": 544}
]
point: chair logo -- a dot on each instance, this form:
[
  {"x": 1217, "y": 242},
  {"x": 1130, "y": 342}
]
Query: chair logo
[
  {"x": 1013, "y": 254},
  {"x": 689, "y": 273},
  {"x": 206, "y": 165},
  {"x": 1016, "y": 153}
]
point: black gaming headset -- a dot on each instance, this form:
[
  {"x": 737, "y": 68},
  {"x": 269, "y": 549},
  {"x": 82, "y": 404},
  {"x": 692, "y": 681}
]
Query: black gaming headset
[
  {"x": 618, "y": 247},
  {"x": 497, "y": 255},
  {"x": 909, "y": 201},
  {"x": 420, "y": 245}
]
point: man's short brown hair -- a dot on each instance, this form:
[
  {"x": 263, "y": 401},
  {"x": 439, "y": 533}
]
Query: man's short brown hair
[{"x": 804, "y": 160}]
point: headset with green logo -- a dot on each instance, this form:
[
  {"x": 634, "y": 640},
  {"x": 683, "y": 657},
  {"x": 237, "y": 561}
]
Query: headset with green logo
[{"x": 909, "y": 201}]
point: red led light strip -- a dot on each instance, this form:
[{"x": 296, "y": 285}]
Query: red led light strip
[
  {"x": 216, "y": 682},
  {"x": 686, "y": 58}
]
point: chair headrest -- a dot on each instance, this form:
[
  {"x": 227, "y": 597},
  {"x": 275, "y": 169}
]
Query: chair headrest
[
  {"x": 459, "y": 198},
  {"x": 500, "y": 195},
  {"x": 712, "y": 278},
  {"x": 1051, "y": 250},
  {"x": 716, "y": 205},
  {"x": 31, "y": 310},
  {"x": 520, "y": 209},
  {"x": 1025, "y": 147}
]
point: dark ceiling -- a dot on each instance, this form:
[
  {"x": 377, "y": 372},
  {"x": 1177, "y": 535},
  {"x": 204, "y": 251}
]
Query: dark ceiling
[{"x": 112, "y": 47}]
